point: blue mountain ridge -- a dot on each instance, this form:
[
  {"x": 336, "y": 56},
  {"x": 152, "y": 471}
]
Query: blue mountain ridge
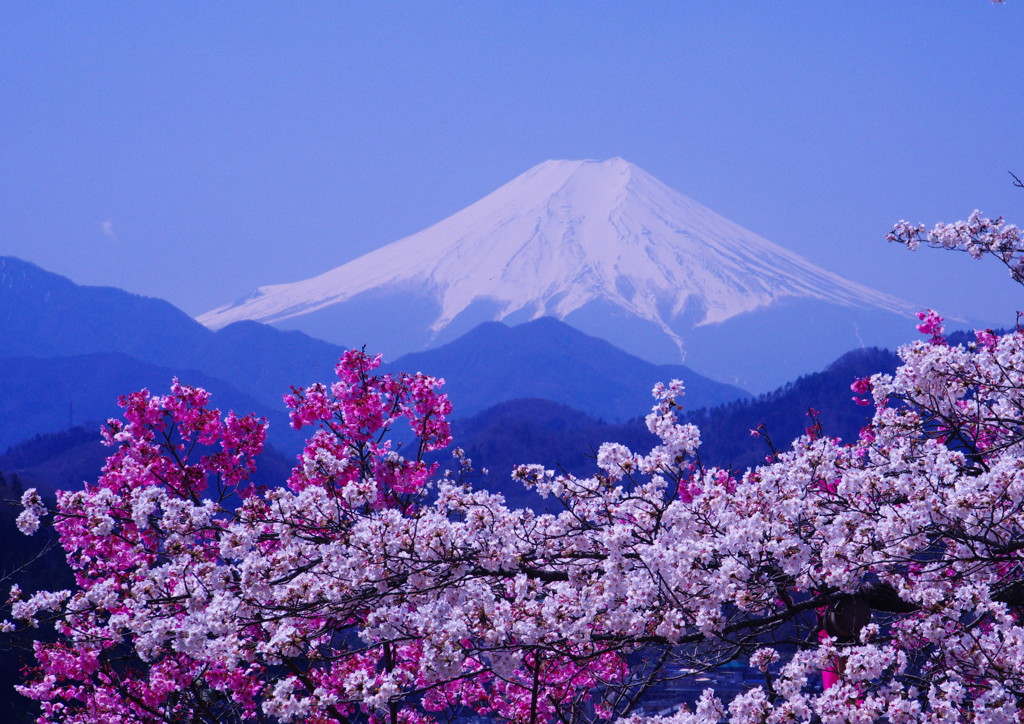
[{"x": 44, "y": 316}]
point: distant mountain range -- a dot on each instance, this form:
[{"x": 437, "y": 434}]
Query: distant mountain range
[
  {"x": 70, "y": 350},
  {"x": 612, "y": 251},
  {"x": 532, "y": 430},
  {"x": 46, "y": 315}
]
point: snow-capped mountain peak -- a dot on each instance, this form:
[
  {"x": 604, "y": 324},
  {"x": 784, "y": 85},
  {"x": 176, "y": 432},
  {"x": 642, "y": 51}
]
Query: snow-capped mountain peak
[{"x": 566, "y": 234}]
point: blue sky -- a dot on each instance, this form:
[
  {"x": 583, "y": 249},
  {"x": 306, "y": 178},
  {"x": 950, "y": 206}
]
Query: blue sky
[{"x": 194, "y": 151}]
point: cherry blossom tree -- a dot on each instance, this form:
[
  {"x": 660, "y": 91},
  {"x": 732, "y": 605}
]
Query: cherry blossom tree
[
  {"x": 203, "y": 598},
  {"x": 372, "y": 588}
]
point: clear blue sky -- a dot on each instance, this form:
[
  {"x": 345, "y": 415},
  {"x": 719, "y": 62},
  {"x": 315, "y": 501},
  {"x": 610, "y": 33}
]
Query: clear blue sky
[{"x": 194, "y": 151}]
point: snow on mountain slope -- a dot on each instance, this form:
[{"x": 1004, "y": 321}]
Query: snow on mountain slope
[{"x": 568, "y": 233}]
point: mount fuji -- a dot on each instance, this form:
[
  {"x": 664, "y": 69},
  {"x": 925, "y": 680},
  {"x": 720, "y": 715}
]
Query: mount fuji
[{"x": 609, "y": 249}]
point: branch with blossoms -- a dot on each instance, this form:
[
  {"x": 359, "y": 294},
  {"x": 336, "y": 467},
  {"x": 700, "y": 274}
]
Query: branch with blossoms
[{"x": 978, "y": 236}]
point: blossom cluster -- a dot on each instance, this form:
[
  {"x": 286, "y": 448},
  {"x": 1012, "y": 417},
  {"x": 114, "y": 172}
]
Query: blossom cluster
[{"x": 978, "y": 236}]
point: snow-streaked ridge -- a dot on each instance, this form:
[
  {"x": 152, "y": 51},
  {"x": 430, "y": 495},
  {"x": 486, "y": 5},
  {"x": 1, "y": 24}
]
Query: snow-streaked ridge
[{"x": 564, "y": 234}]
